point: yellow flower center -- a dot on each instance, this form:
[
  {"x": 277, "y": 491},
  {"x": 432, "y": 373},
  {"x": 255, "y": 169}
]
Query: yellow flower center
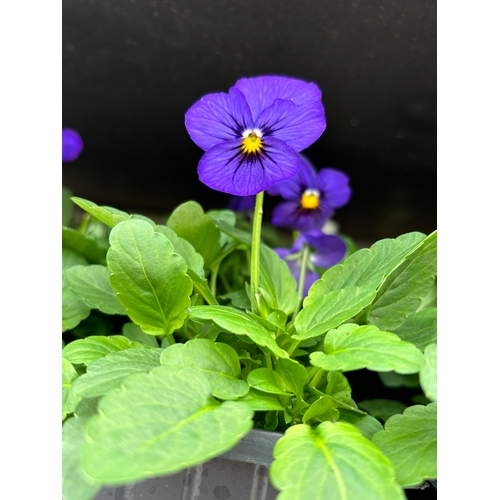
[
  {"x": 251, "y": 143},
  {"x": 310, "y": 199}
]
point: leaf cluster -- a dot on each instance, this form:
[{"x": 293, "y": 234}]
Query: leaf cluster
[{"x": 165, "y": 364}]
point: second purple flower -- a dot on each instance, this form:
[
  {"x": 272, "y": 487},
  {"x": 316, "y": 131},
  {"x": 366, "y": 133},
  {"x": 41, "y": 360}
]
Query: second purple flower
[{"x": 310, "y": 198}]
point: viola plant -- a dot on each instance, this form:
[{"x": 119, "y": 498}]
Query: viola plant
[{"x": 181, "y": 335}]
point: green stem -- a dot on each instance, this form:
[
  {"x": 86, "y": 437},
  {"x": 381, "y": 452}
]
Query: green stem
[
  {"x": 213, "y": 278},
  {"x": 316, "y": 377},
  {"x": 84, "y": 223},
  {"x": 201, "y": 287},
  {"x": 255, "y": 256},
  {"x": 303, "y": 269},
  {"x": 293, "y": 347},
  {"x": 313, "y": 391},
  {"x": 269, "y": 363}
]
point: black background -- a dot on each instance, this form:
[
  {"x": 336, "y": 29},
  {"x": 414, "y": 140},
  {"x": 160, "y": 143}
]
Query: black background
[{"x": 132, "y": 68}]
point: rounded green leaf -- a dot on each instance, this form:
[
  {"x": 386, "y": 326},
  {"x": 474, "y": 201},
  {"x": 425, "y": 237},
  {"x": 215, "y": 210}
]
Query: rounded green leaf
[
  {"x": 91, "y": 249},
  {"x": 107, "y": 373},
  {"x": 428, "y": 373},
  {"x": 159, "y": 423},
  {"x": 367, "y": 266},
  {"x": 91, "y": 284},
  {"x": 217, "y": 361},
  {"x": 330, "y": 310},
  {"x": 420, "y": 328},
  {"x": 149, "y": 278},
  {"x": 191, "y": 223},
  {"x": 324, "y": 408},
  {"x": 410, "y": 441},
  {"x": 181, "y": 246},
  {"x": 294, "y": 374},
  {"x": 352, "y": 347},
  {"x": 403, "y": 290},
  {"x": 261, "y": 401},
  {"x": 69, "y": 399},
  {"x": 74, "y": 309},
  {"x": 76, "y": 485},
  {"x": 266, "y": 380},
  {"x": 277, "y": 284},
  {"x": 367, "y": 424},
  {"x": 334, "y": 461},
  {"x": 96, "y": 346},
  {"x": 71, "y": 258},
  {"x": 235, "y": 321}
]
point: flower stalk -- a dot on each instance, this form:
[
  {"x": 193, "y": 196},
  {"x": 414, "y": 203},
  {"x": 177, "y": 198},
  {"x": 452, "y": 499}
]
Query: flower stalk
[
  {"x": 303, "y": 267},
  {"x": 255, "y": 252}
]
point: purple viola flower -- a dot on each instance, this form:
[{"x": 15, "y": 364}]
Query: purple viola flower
[
  {"x": 310, "y": 198},
  {"x": 241, "y": 203},
  {"x": 252, "y": 135},
  {"x": 328, "y": 250},
  {"x": 72, "y": 145}
]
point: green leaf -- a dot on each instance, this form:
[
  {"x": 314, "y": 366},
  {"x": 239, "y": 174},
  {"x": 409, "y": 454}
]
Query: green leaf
[
  {"x": 228, "y": 216},
  {"x": 76, "y": 484},
  {"x": 410, "y": 442},
  {"x": 332, "y": 309},
  {"x": 159, "y": 423},
  {"x": 338, "y": 386},
  {"x": 234, "y": 321},
  {"x": 261, "y": 401},
  {"x": 238, "y": 298},
  {"x": 91, "y": 284},
  {"x": 69, "y": 399},
  {"x": 191, "y": 223},
  {"x": 367, "y": 424},
  {"x": 67, "y": 206},
  {"x": 181, "y": 246},
  {"x": 88, "y": 247},
  {"x": 267, "y": 380},
  {"x": 149, "y": 278},
  {"x": 428, "y": 373},
  {"x": 86, "y": 350},
  {"x": 134, "y": 332},
  {"x": 74, "y": 309},
  {"x": 324, "y": 408},
  {"x": 109, "y": 216},
  {"x": 403, "y": 290},
  {"x": 332, "y": 461},
  {"x": 107, "y": 373},
  {"x": 71, "y": 258},
  {"x": 339, "y": 390},
  {"x": 382, "y": 408},
  {"x": 277, "y": 285},
  {"x": 420, "y": 328},
  {"x": 352, "y": 347},
  {"x": 366, "y": 267},
  {"x": 294, "y": 375},
  {"x": 217, "y": 361}
]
